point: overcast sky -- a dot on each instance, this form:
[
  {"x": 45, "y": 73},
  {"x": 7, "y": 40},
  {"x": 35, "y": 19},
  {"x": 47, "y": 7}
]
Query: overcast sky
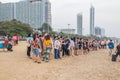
[{"x": 107, "y": 14}]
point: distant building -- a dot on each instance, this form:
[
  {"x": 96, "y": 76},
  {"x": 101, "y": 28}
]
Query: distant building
[
  {"x": 6, "y": 11},
  {"x": 68, "y": 31},
  {"x": 33, "y": 12},
  {"x": 102, "y": 32},
  {"x": 92, "y": 19},
  {"x": 47, "y": 16},
  {"x": 79, "y": 24},
  {"x": 99, "y": 32}
]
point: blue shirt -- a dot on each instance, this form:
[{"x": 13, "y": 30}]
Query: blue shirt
[{"x": 111, "y": 45}]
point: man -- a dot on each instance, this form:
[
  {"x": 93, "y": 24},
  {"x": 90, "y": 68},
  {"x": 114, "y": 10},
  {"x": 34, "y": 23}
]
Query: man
[
  {"x": 67, "y": 46},
  {"x": 9, "y": 46},
  {"x": 29, "y": 40},
  {"x": 57, "y": 47},
  {"x": 118, "y": 50},
  {"x": 111, "y": 47}
]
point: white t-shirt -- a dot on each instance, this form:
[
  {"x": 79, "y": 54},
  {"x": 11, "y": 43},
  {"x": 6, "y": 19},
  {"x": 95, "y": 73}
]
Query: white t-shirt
[
  {"x": 57, "y": 44},
  {"x": 102, "y": 43},
  {"x": 72, "y": 43}
]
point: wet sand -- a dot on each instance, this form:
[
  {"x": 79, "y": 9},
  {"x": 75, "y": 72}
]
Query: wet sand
[{"x": 97, "y": 65}]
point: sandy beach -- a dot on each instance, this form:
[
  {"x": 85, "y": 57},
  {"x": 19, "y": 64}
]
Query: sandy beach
[{"x": 97, "y": 65}]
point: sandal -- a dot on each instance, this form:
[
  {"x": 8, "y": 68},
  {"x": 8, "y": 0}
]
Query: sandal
[
  {"x": 35, "y": 61},
  {"x": 38, "y": 62}
]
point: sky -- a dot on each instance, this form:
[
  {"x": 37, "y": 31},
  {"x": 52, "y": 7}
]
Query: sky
[{"x": 107, "y": 14}]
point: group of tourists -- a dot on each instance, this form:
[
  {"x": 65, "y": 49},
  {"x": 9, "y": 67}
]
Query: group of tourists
[
  {"x": 116, "y": 51},
  {"x": 9, "y": 41},
  {"x": 45, "y": 46},
  {"x": 42, "y": 47}
]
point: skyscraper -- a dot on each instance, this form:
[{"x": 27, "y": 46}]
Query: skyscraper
[
  {"x": 97, "y": 31},
  {"x": 102, "y": 32},
  {"x": 6, "y": 11},
  {"x": 92, "y": 19},
  {"x": 79, "y": 24},
  {"x": 33, "y": 12},
  {"x": 47, "y": 10}
]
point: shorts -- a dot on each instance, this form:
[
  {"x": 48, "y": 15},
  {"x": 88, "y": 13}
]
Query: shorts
[
  {"x": 48, "y": 49},
  {"x": 35, "y": 51},
  {"x": 39, "y": 50}
]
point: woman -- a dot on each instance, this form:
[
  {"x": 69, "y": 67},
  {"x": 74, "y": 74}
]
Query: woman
[
  {"x": 76, "y": 46},
  {"x": 35, "y": 46},
  {"x": 47, "y": 48},
  {"x": 85, "y": 47},
  {"x": 72, "y": 46}
]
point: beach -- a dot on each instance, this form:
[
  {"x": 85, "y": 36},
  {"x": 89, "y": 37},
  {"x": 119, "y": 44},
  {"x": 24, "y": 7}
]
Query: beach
[{"x": 96, "y": 65}]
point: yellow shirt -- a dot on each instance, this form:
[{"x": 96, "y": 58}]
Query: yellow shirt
[{"x": 47, "y": 43}]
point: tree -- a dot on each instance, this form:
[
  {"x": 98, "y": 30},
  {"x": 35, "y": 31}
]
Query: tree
[
  {"x": 15, "y": 27},
  {"x": 46, "y": 28},
  {"x": 2, "y": 33}
]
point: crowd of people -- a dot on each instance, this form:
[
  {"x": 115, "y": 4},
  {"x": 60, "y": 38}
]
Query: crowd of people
[
  {"x": 45, "y": 46},
  {"x": 9, "y": 42},
  {"x": 41, "y": 47}
]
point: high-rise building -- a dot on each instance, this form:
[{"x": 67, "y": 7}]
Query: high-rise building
[
  {"x": 33, "y": 12},
  {"x": 6, "y": 11},
  {"x": 47, "y": 8},
  {"x": 97, "y": 31},
  {"x": 22, "y": 12},
  {"x": 92, "y": 19},
  {"x": 79, "y": 24},
  {"x": 102, "y": 32}
]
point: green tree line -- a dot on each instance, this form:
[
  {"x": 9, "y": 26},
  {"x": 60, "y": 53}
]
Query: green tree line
[{"x": 15, "y": 27}]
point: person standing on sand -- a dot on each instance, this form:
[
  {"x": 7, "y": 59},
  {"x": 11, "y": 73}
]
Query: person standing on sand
[
  {"x": 41, "y": 43},
  {"x": 117, "y": 50},
  {"x": 85, "y": 47},
  {"x": 63, "y": 47},
  {"x": 111, "y": 47},
  {"x": 72, "y": 46},
  {"x": 35, "y": 50},
  {"x": 102, "y": 44},
  {"x": 52, "y": 47},
  {"x": 57, "y": 47},
  {"x": 76, "y": 46},
  {"x": 29, "y": 39},
  {"x": 47, "y": 48},
  {"x": 17, "y": 39}
]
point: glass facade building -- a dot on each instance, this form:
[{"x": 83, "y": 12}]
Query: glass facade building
[
  {"x": 92, "y": 19},
  {"x": 34, "y": 13},
  {"x": 79, "y": 24}
]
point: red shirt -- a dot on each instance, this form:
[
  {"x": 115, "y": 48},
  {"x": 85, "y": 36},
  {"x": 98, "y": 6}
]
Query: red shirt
[
  {"x": 6, "y": 42},
  {"x": 16, "y": 37}
]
